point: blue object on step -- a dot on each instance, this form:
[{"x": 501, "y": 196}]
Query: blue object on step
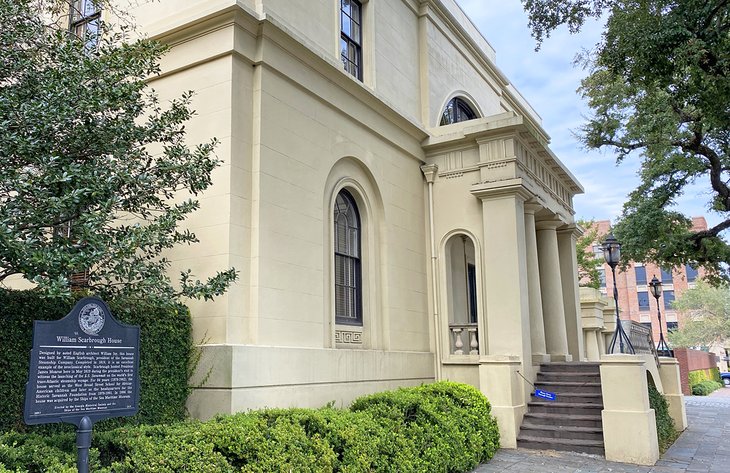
[{"x": 548, "y": 396}]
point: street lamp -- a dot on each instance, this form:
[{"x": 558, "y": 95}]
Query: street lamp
[
  {"x": 655, "y": 286},
  {"x": 612, "y": 254}
]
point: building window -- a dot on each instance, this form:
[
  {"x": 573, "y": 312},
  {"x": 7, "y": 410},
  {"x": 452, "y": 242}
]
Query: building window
[
  {"x": 666, "y": 276},
  {"x": 457, "y": 110},
  {"x": 691, "y": 273},
  {"x": 351, "y": 36},
  {"x": 598, "y": 252},
  {"x": 643, "y": 298},
  {"x": 672, "y": 326},
  {"x": 85, "y": 22},
  {"x": 668, "y": 299},
  {"x": 640, "y": 275},
  {"x": 646, "y": 324},
  {"x": 602, "y": 277},
  {"x": 471, "y": 276},
  {"x": 348, "y": 272}
]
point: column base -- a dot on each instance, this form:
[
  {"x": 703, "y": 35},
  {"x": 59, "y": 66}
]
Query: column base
[
  {"x": 558, "y": 358},
  {"x": 677, "y": 411},
  {"x": 630, "y": 437},
  {"x": 502, "y": 385},
  {"x": 538, "y": 358}
]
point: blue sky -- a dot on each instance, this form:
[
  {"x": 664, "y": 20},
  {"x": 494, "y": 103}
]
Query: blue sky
[{"x": 548, "y": 80}]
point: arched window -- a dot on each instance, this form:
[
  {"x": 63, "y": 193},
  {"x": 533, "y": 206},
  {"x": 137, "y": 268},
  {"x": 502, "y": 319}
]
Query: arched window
[
  {"x": 457, "y": 110},
  {"x": 348, "y": 272}
]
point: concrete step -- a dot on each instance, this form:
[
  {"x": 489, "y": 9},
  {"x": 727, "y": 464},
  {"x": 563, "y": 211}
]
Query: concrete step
[
  {"x": 569, "y": 386},
  {"x": 568, "y": 376},
  {"x": 565, "y": 408},
  {"x": 582, "y": 367},
  {"x": 591, "y": 420},
  {"x": 587, "y": 398},
  {"x": 562, "y": 432},
  {"x": 594, "y": 447}
]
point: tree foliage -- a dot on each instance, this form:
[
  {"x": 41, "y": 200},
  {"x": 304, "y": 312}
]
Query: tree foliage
[
  {"x": 95, "y": 173},
  {"x": 706, "y": 317},
  {"x": 659, "y": 90},
  {"x": 589, "y": 264}
]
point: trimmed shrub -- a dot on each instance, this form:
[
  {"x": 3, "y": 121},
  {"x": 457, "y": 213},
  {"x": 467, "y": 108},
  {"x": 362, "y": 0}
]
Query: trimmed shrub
[
  {"x": 698, "y": 376},
  {"x": 445, "y": 427},
  {"x": 704, "y": 388},
  {"x": 666, "y": 430},
  {"x": 165, "y": 352}
]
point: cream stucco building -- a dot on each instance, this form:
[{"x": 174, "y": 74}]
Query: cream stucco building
[
  {"x": 396, "y": 216},
  {"x": 388, "y": 197}
]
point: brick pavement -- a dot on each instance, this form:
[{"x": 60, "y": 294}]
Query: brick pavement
[{"x": 703, "y": 448}]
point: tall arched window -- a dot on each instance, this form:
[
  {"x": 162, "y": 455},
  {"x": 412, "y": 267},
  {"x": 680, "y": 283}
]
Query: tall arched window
[
  {"x": 348, "y": 272},
  {"x": 457, "y": 110}
]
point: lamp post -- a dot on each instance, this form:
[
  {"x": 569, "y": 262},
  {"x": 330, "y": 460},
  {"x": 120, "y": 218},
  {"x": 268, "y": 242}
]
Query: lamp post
[
  {"x": 655, "y": 286},
  {"x": 612, "y": 254}
]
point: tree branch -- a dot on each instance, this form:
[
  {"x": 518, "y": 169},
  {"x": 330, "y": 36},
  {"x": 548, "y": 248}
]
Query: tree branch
[{"x": 714, "y": 165}]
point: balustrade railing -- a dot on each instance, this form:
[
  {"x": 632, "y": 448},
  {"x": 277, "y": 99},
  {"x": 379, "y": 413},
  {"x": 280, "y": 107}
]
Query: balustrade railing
[
  {"x": 464, "y": 337},
  {"x": 641, "y": 338}
]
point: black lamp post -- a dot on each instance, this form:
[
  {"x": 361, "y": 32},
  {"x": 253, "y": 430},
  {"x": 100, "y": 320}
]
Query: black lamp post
[
  {"x": 655, "y": 286},
  {"x": 612, "y": 254}
]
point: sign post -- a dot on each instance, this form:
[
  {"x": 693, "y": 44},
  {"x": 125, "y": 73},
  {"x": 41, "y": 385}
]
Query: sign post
[{"x": 83, "y": 368}]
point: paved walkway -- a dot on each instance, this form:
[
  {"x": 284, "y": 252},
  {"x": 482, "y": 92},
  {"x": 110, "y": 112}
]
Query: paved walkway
[{"x": 703, "y": 448}]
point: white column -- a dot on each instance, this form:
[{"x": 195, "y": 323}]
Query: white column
[
  {"x": 551, "y": 287},
  {"x": 507, "y": 306},
  {"x": 537, "y": 325},
  {"x": 567, "y": 239},
  {"x": 505, "y": 272}
]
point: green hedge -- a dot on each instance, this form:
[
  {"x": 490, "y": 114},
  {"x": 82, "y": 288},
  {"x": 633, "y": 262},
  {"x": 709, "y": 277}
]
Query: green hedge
[
  {"x": 666, "y": 430},
  {"x": 165, "y": 352},
  {"x": 698, "y": 376},
  {"x": 704, "y": 388},
  {"x": 441, "y": 427}
]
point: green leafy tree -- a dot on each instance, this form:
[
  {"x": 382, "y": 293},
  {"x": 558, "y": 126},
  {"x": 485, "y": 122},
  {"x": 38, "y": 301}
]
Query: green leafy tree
[
  {"x": 589, "y": 274},
  {"x": 95, "y": 174},
  {"x": 706, "y": 317},
  {"x": 659, "y": 89}
]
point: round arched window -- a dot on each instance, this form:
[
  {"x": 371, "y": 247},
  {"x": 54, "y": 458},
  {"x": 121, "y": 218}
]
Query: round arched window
[
  {"x": 457, "y": 110},
  {"x": 348, "y": 277}
]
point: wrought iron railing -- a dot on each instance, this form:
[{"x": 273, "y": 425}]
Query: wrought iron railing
[{"x": 463, "y": 338}]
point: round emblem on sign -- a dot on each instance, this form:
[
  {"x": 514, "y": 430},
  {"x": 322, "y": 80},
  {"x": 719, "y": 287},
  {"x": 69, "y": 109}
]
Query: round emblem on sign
[{"x": 91, "y": 318}]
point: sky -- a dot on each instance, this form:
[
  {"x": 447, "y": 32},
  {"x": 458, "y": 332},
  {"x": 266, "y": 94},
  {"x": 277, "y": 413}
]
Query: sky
[{"x": 548, "y": 79}]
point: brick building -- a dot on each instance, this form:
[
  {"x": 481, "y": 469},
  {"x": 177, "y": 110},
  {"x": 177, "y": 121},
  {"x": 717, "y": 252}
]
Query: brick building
[{"x": 634, "y": 296}]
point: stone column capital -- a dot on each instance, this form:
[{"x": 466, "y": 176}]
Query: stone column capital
[
  {"x": 499, "y": 189},
  {"x": 575, "y": 230},
  {"x": 548, "y": 224},
  {"x": 532, "y": 206}
]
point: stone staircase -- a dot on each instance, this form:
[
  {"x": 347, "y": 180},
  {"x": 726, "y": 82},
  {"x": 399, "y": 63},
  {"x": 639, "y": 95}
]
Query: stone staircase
[{"x": 573, "y": 421}]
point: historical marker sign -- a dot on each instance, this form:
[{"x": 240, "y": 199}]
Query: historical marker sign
[{"x": 84, "y": 365}]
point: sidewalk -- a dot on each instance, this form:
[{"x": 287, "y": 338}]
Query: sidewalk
[{"x": 703, "y": 448}]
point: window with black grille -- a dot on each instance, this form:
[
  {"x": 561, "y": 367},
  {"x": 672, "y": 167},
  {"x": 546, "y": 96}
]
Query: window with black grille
[
  {"x": 348, "y": 271},
  {"x": 457, "y": 110},
  {"x": 351, "y": 36}
]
